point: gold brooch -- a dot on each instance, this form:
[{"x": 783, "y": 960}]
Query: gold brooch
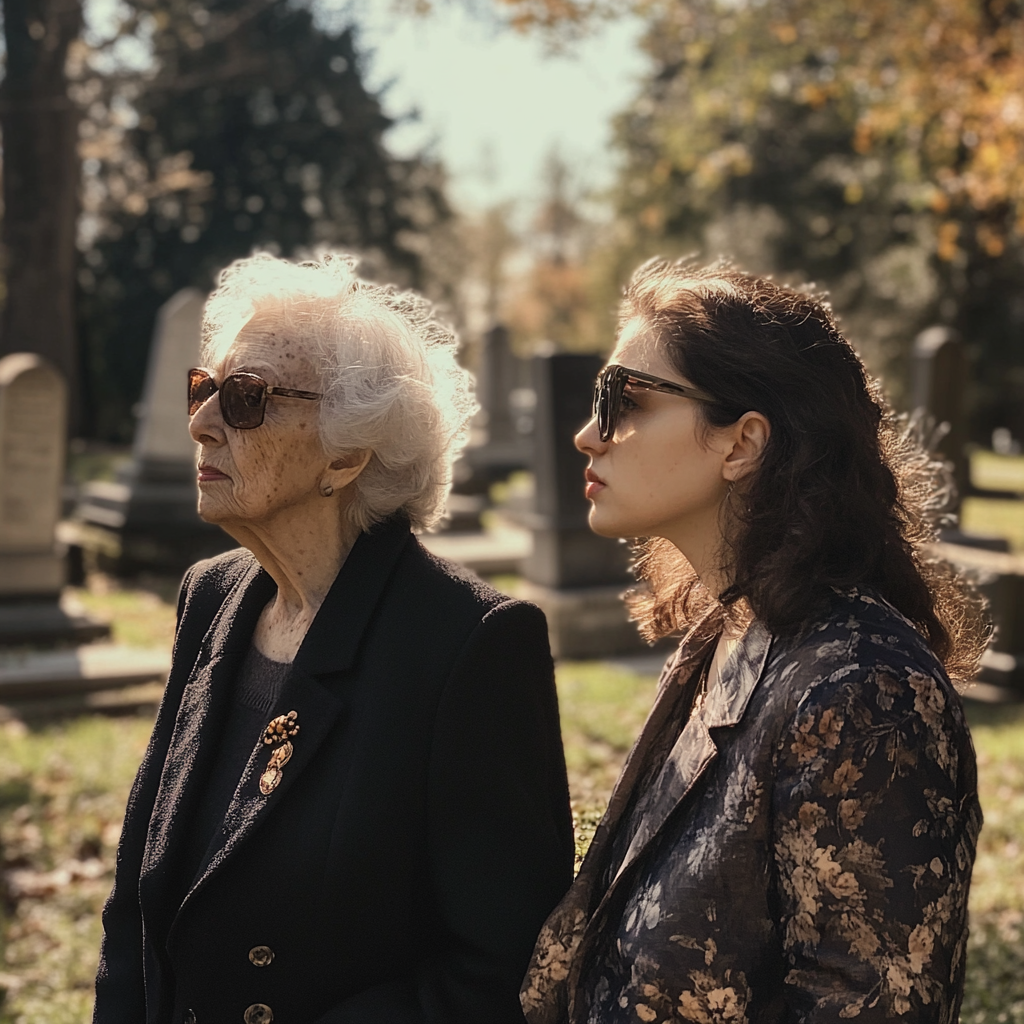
[{"x": 280, "y": 730}]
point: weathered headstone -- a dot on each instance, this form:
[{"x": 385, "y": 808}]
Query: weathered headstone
[
  {"x": 33, "y": 430},
  {"x": 501, "y": 449},
  {"x": 497, "y": 379},
  {"x": 576, "y": 576},
  {"x": 1000, "y": 577},
  {"x": 939, "y": 378},
  {"x": 162, "y": 445},
  {"x": 33, "y": 427},
  {"x": 149, "y": 514}
]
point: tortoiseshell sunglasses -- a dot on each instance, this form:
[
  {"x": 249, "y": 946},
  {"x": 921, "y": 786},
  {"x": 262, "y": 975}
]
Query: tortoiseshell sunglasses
[
  {"x": 243, "y": 396},
  {"x": 611, "y": 384}
]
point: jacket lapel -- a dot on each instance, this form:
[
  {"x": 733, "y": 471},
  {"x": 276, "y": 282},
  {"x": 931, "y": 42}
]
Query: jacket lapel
[
  {"x": 193, "y": 743},
  {"x": 548, "y": 993},
  {"x": 724, "y": 704},
  {"x": 672, "y": 686},
  {"x": 555, "y": 962},
  {"x": 329, "y": 649},
  {"x": 317, "y": 710}
]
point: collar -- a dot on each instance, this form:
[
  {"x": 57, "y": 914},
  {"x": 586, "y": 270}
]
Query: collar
[{"x": 333, "y": 637}]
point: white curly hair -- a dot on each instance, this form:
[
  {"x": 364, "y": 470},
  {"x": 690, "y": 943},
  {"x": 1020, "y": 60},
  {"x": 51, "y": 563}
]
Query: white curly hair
[{"x": 388, "y": 374}]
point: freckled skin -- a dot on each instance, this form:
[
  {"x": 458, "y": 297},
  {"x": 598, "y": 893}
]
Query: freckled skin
[{"x": 272, "y": 501}]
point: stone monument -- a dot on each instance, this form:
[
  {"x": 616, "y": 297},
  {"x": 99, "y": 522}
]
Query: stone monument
[
  {"x": 148, "y": 516},
  {"x": 498, "y": 377},
  {"x": 576, "y": 576},
  {"x": 500, "y": 448},
  {"x": 33, "y": 435},
  {"x": 939, "y": 379},
  {"x": 163, "y": 445}
]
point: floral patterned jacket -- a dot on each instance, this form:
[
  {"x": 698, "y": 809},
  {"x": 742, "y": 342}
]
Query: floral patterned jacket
[{"x": 805, "y": 851}]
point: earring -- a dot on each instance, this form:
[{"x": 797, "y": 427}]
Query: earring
[{"x": 327, "y": 490}]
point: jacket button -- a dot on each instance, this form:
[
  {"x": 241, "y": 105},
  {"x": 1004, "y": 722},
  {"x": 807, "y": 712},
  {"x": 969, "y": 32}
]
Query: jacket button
[
  {"x": 260, "y": 956},
  {"x": 259, "y": 1013}
]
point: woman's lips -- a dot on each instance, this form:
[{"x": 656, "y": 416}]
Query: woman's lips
[
  {"x": 209, "y": 474},
  {"x": 594, "y": 483}
]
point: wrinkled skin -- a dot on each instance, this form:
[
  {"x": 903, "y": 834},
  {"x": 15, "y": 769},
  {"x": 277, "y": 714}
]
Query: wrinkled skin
[
  {"x": 276, "y": 466},
  {"x": 265, "y": 486}
]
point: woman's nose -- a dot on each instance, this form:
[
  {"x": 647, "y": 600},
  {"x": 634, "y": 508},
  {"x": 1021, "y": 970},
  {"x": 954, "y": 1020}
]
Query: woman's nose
[
  {"x": 206, "y": 425},
  {"x": 588, "y": 440}
]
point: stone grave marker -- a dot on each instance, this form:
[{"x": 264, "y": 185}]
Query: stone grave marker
[
  {"x": 162, "y": 442},
  {"x": 576, "y": 576},
  {"x": 939, "y": 379},
  {"x": 33, "y": 429},
  {"x": 33, "y": 435},
  {"x": 149, "y": 514},
  {"x": 505, "y": 449},
  {"x": 498, "y": 378}
]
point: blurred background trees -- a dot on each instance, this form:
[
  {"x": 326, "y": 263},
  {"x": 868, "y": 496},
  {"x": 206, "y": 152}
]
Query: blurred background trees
[
  {"x": 39, "y": 125},
  {"x": 873, "y": 148},
  {"x": 554, "y": 297},
  {"x": 251, "y": 128}
]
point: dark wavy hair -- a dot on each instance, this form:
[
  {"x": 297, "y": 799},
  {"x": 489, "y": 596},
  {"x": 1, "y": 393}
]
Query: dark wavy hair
[{"x": 844, "y": 496}]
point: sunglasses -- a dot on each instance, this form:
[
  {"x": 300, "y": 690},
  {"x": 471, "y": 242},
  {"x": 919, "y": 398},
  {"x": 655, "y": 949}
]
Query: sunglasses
[
  {"x": 611, "y": 385},
  {"x": 243, "y": 396}
]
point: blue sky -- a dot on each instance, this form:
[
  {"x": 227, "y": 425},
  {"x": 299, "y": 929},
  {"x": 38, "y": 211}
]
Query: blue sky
[{"x": 494, "y": 102}]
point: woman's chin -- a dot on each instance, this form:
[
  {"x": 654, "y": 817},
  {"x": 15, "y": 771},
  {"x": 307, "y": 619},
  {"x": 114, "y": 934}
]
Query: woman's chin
[
  {"x": 605, "y": 524},
  {"x": 213, "y": 511}
]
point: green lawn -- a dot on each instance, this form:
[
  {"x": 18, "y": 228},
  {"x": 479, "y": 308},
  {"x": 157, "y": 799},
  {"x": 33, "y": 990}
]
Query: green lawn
[
  {"x": 63, "y": 787},
  {"x": 995, "y": 517}
]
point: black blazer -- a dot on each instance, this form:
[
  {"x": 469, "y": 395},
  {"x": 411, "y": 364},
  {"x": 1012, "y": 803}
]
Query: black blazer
[{"x": 419, "y": 835}]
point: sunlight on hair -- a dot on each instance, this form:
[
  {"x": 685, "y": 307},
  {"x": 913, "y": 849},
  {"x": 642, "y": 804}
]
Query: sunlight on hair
[
  {"x": 388, "y": 372},
  {"x": 847, "y": 494}
]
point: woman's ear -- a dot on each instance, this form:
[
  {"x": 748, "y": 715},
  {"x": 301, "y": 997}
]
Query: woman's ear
[
  {"x": 749, "y": 436},
  {"x": 343, "y": 471}
]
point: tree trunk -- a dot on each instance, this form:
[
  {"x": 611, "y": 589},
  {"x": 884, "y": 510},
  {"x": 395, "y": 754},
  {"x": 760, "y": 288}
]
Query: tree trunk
[{"x": 40, "y": 183}]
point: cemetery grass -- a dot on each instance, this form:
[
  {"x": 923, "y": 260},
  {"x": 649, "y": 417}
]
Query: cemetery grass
[
  {"x": 63, "y": 787},
  {"x": 142, "y": 616}
]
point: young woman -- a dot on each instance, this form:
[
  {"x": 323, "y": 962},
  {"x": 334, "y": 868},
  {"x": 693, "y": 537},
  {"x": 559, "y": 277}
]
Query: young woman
[{"x": 793, "y": 834}]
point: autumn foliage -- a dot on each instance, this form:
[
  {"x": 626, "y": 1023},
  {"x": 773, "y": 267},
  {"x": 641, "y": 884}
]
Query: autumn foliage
[{"x": 941, "y": 79}]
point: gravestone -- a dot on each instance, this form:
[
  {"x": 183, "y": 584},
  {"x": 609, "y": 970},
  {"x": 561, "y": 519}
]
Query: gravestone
[
  {"x": 940, "y": 375},
  {"x": 498, "y": 378},
  {"x": 162, "y": 445},
  {"x": 148, "y": 515},
  {"x": 33, "y": 429},
  {"x": 501, "y": 448},
  {"x": 939, "y": 378},
  {"x": 999, "y": 576},
  {"x": 33, "y": 426},
  {"x": 576, "y": 576}
]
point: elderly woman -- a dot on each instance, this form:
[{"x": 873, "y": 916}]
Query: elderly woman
[
  {"x": 792, "y": 836},
  {"x": 353, "y": 807}
]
